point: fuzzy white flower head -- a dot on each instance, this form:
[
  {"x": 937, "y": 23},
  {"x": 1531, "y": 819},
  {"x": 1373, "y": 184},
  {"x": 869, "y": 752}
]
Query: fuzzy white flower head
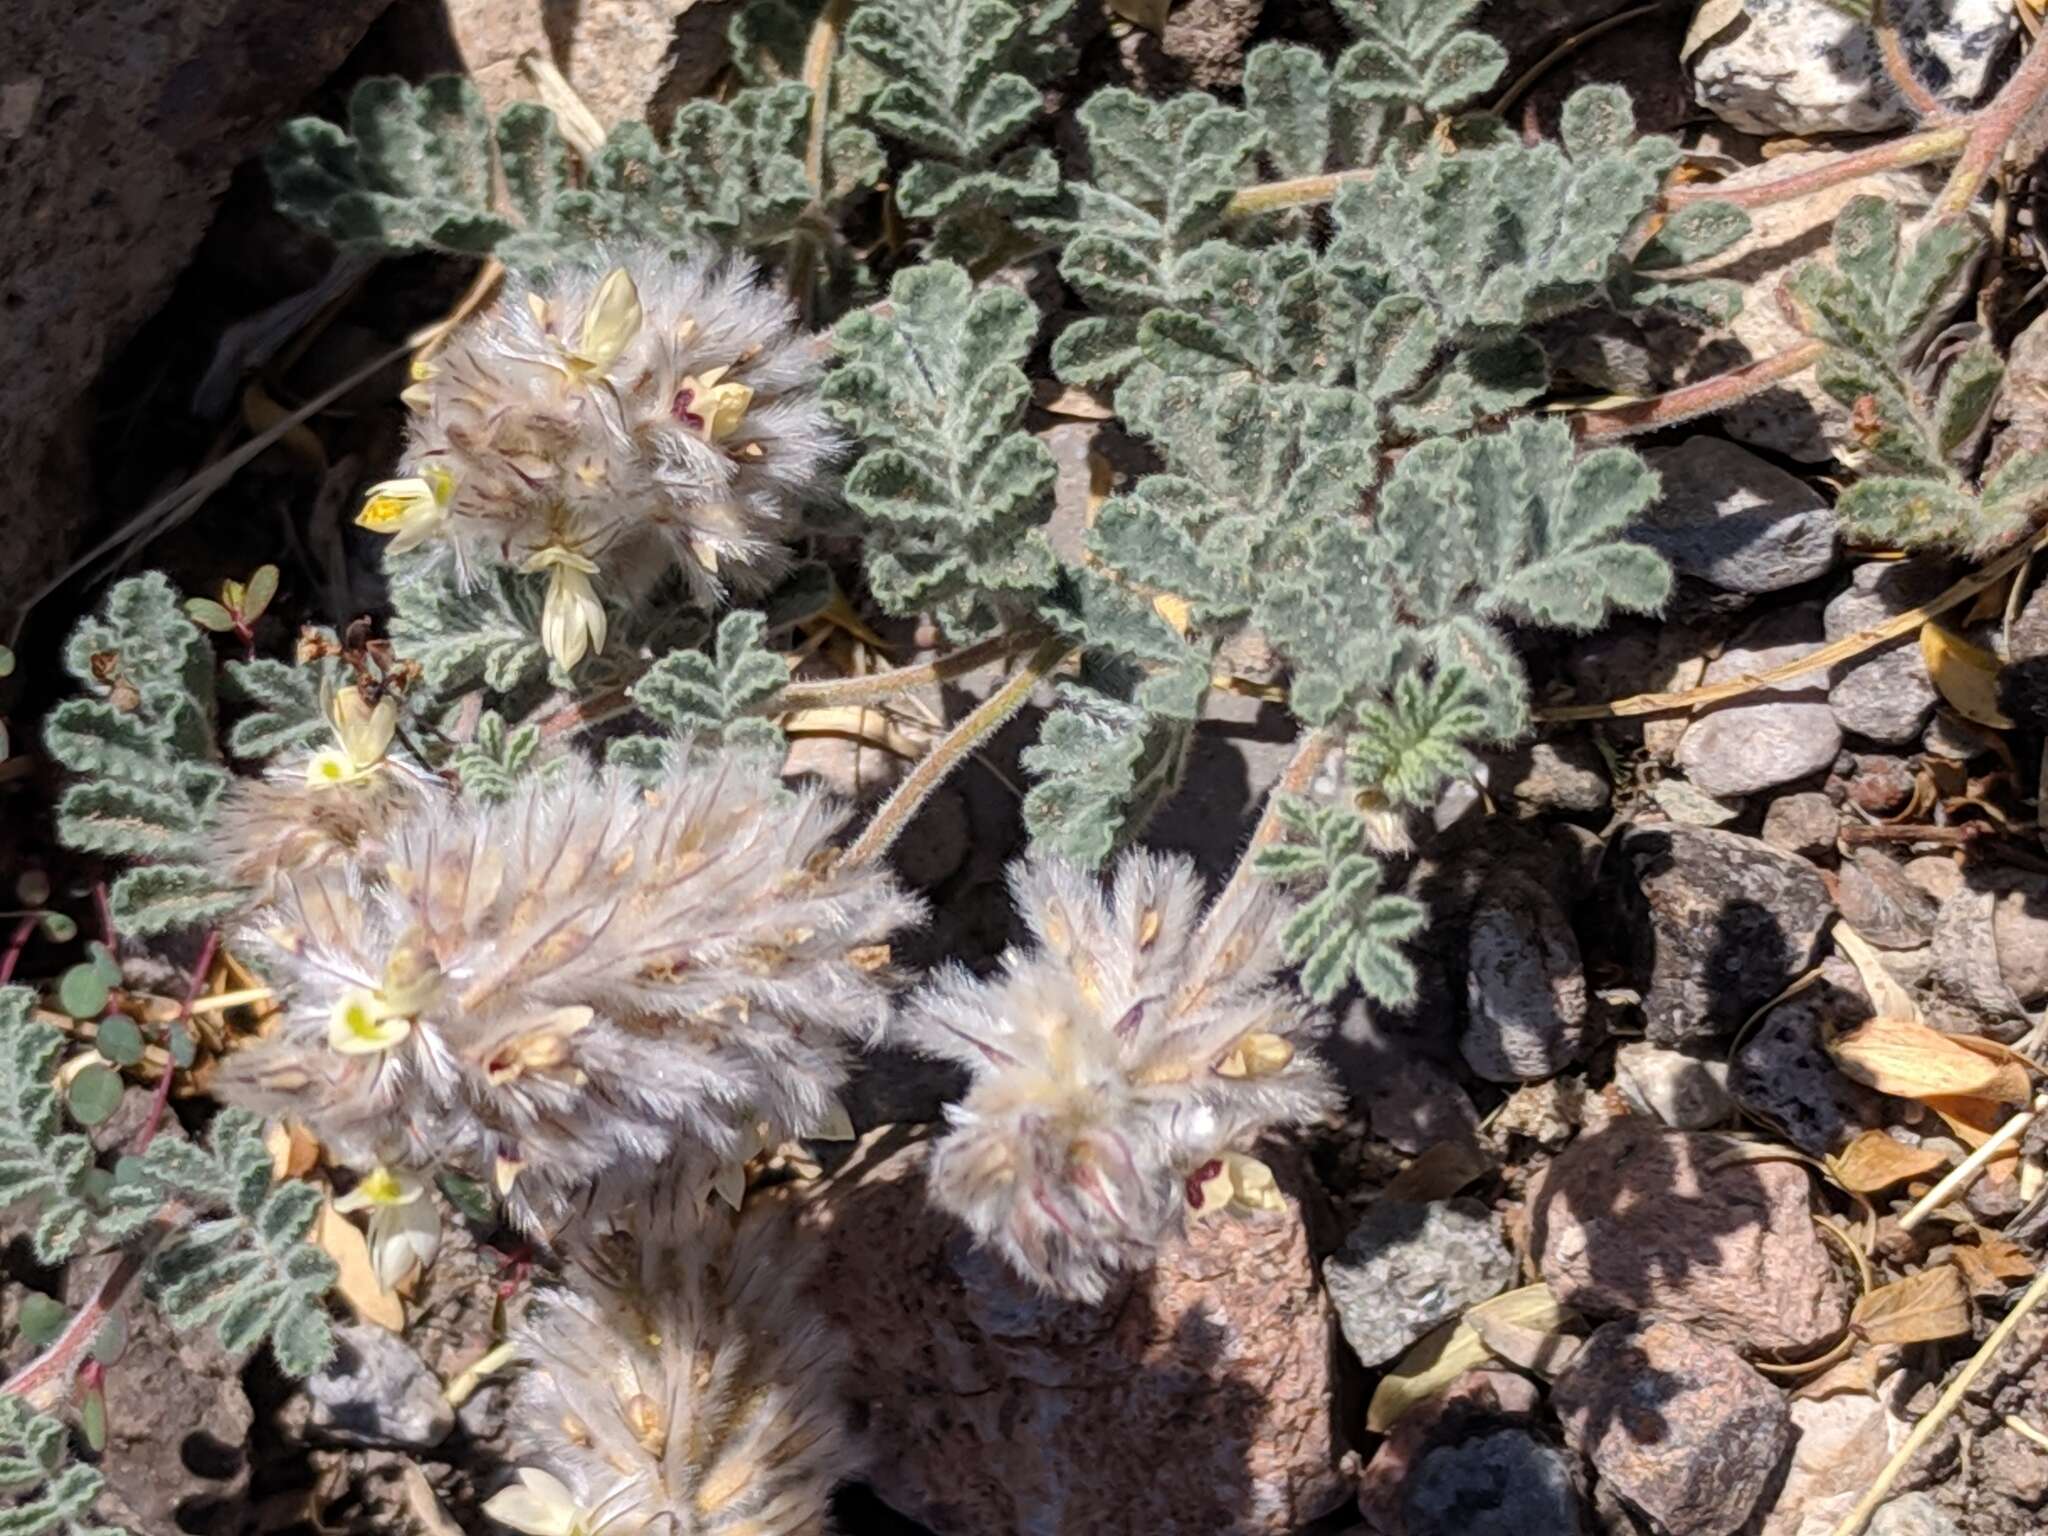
[
  {"x": 1119, "y": 1068},
  {"x": 295, "y": 819},
  {"x": 588, "y": 978},
  {"x": 612, "y": 422},
  {"x": 678, "y": 1382}
]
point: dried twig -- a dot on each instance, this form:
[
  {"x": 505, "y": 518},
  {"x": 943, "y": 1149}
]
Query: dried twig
[
  {"x": 1846, "y": 649},
  {"x": 1932, "y": 1421},
  {"x": 1964, "y": 1174}
]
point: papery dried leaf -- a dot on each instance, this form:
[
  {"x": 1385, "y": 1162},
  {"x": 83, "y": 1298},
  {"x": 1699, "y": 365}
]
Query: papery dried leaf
[
  {"x": 1440, "y": 1172},
  {"x": 357, "y": 1284},
  {"x": 1965, "y": 674},
  {"x": 1888, "y": 995},
  {"x": 1992, "y": 1263},
  {"x": 1906, "y": 1058},
  {"x": 1860, "y": 1373},
  {"x": 1933, "y": 1304},
  {"x": 2015, "y": 1083},
  {"x": 1975, "y": 1121},
  {"x": 1875, "y": 1161},
  {"x": 1440, "y": 1358}
]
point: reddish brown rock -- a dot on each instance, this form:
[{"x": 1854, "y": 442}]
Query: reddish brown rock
[
  {"x": 1638, "y": 1220},
  {"x": 1197, "y": 1397},
  {"x": 1680, "y": 1426}
]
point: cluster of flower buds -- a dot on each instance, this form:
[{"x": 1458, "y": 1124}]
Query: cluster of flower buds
[
  {"x": 593, "y": 978},
  {"x": 610, "y": 424},
  {"x": 1121, "y": 1068},
  {"x": 679, "y": 1382}
]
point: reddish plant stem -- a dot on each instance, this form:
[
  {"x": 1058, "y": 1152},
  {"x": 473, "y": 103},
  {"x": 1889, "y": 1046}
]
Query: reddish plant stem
[
  {"x": 160, "y": 1100},
  {"x": 54, "y": 1365},
  {"x": 1893, "y": 51},
  {"x": 1937, "y": 143},
  {"x": 1715, "y": 394},
  {"x": 16, "y": 942},
  {"x": 100, "y": 904},
  {"x": 1989, "y": 131}
]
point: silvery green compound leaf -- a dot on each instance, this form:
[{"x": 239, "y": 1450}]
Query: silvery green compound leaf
[
  {"x": 288, "y": 712},
  {"x": 1349, "y": 929},
  {"x": 711, "y": 701},
  {"x": 1129, "y": 232},
  {"x": 492, "y": 763},
  {"x": 416, "y": 165},
  {"x": 143, "y": 746},
  {"x": 1103, "y": 765},
  {"x": 954, "y": 492},
  {"x": 960, "y": 86},
  {"x": 1875, "y": 306},
  {"x": 245, "y": 1265},
  {"x": 42, "y": 1491}
]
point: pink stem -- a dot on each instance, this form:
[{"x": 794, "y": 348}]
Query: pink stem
[
  {"x": 16, "y": 942},
  {"x": 161, "y": 1099}
]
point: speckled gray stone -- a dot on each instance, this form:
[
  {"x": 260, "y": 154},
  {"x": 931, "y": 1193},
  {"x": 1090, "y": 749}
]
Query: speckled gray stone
[
  {"x": 1409, "y": 1266},
  {"x": 1887, "y": 694},
  {"x": 1735, "y": 521}
]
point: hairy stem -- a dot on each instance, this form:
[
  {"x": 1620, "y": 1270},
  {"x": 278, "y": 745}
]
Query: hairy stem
[
  {"x": 1295, "y": 779},
  {"x": 819, "y": 52},
  {"x": 1893, "y": 51},
  {"x": 835, "y": 692},
  {"x": 1989, "y": 131},
  {"x": 932, "y": 770},
  {"x": 161, "y": 1099},
  {"x": 1715, "y": 394},
  {"x": 1938, "y": 143},
  {"x": 39, "y": 1380},
  {"x": 1297, "y": 193}
]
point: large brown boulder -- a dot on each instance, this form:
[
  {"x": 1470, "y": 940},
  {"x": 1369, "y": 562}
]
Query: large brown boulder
[
  {"x": 120, "y": 123},
  {"x": 1196, "y": 1397}
]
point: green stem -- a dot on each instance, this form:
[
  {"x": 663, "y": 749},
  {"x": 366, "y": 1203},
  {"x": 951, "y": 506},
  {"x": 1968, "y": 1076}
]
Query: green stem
[{"x": 932, "y": 770}]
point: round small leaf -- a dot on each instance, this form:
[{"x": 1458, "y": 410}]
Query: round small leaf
[
  {"x": 257, "y": 595},
  {"x": 119, "y": 1040},
  {"x": 129, "y": 1169},
  {"x": 82, "y": 992},
  {"x": 32, "y": 888},
  {"x": 111, "y": 1340},
  {"x": 92, "y": 1419},
  {"x": 184, "y": 1049},
  {"x": 42, "y": 1319},
  {"x": 104, "y": 963},
  {"x": 208, "y": 614},
  {"x": 58, "y": 928},
  {"x": 95, "y": 1094},
  {"x": 6, "y": 662}
]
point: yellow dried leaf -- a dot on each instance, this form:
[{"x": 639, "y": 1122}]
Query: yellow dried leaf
[
  {"x": 1149, "y": 14},
  {"x": 1057, "y": 399},
  {"x": 1907, "y": 1058},
  {"x": 1934, "y": 1304},
  {"x": 1965, "y": 674},
  {"x": 2015, "y": 1084},
  {"x": 1875, "y": 1161},
  {"x": 260, "y": 413},
  {"x": 1440, "y": 1358},
  {"x": 1975, "y": 1121},
  {"x": 1887, "y": 994},
  {"x": 342, "y": 1241}
]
